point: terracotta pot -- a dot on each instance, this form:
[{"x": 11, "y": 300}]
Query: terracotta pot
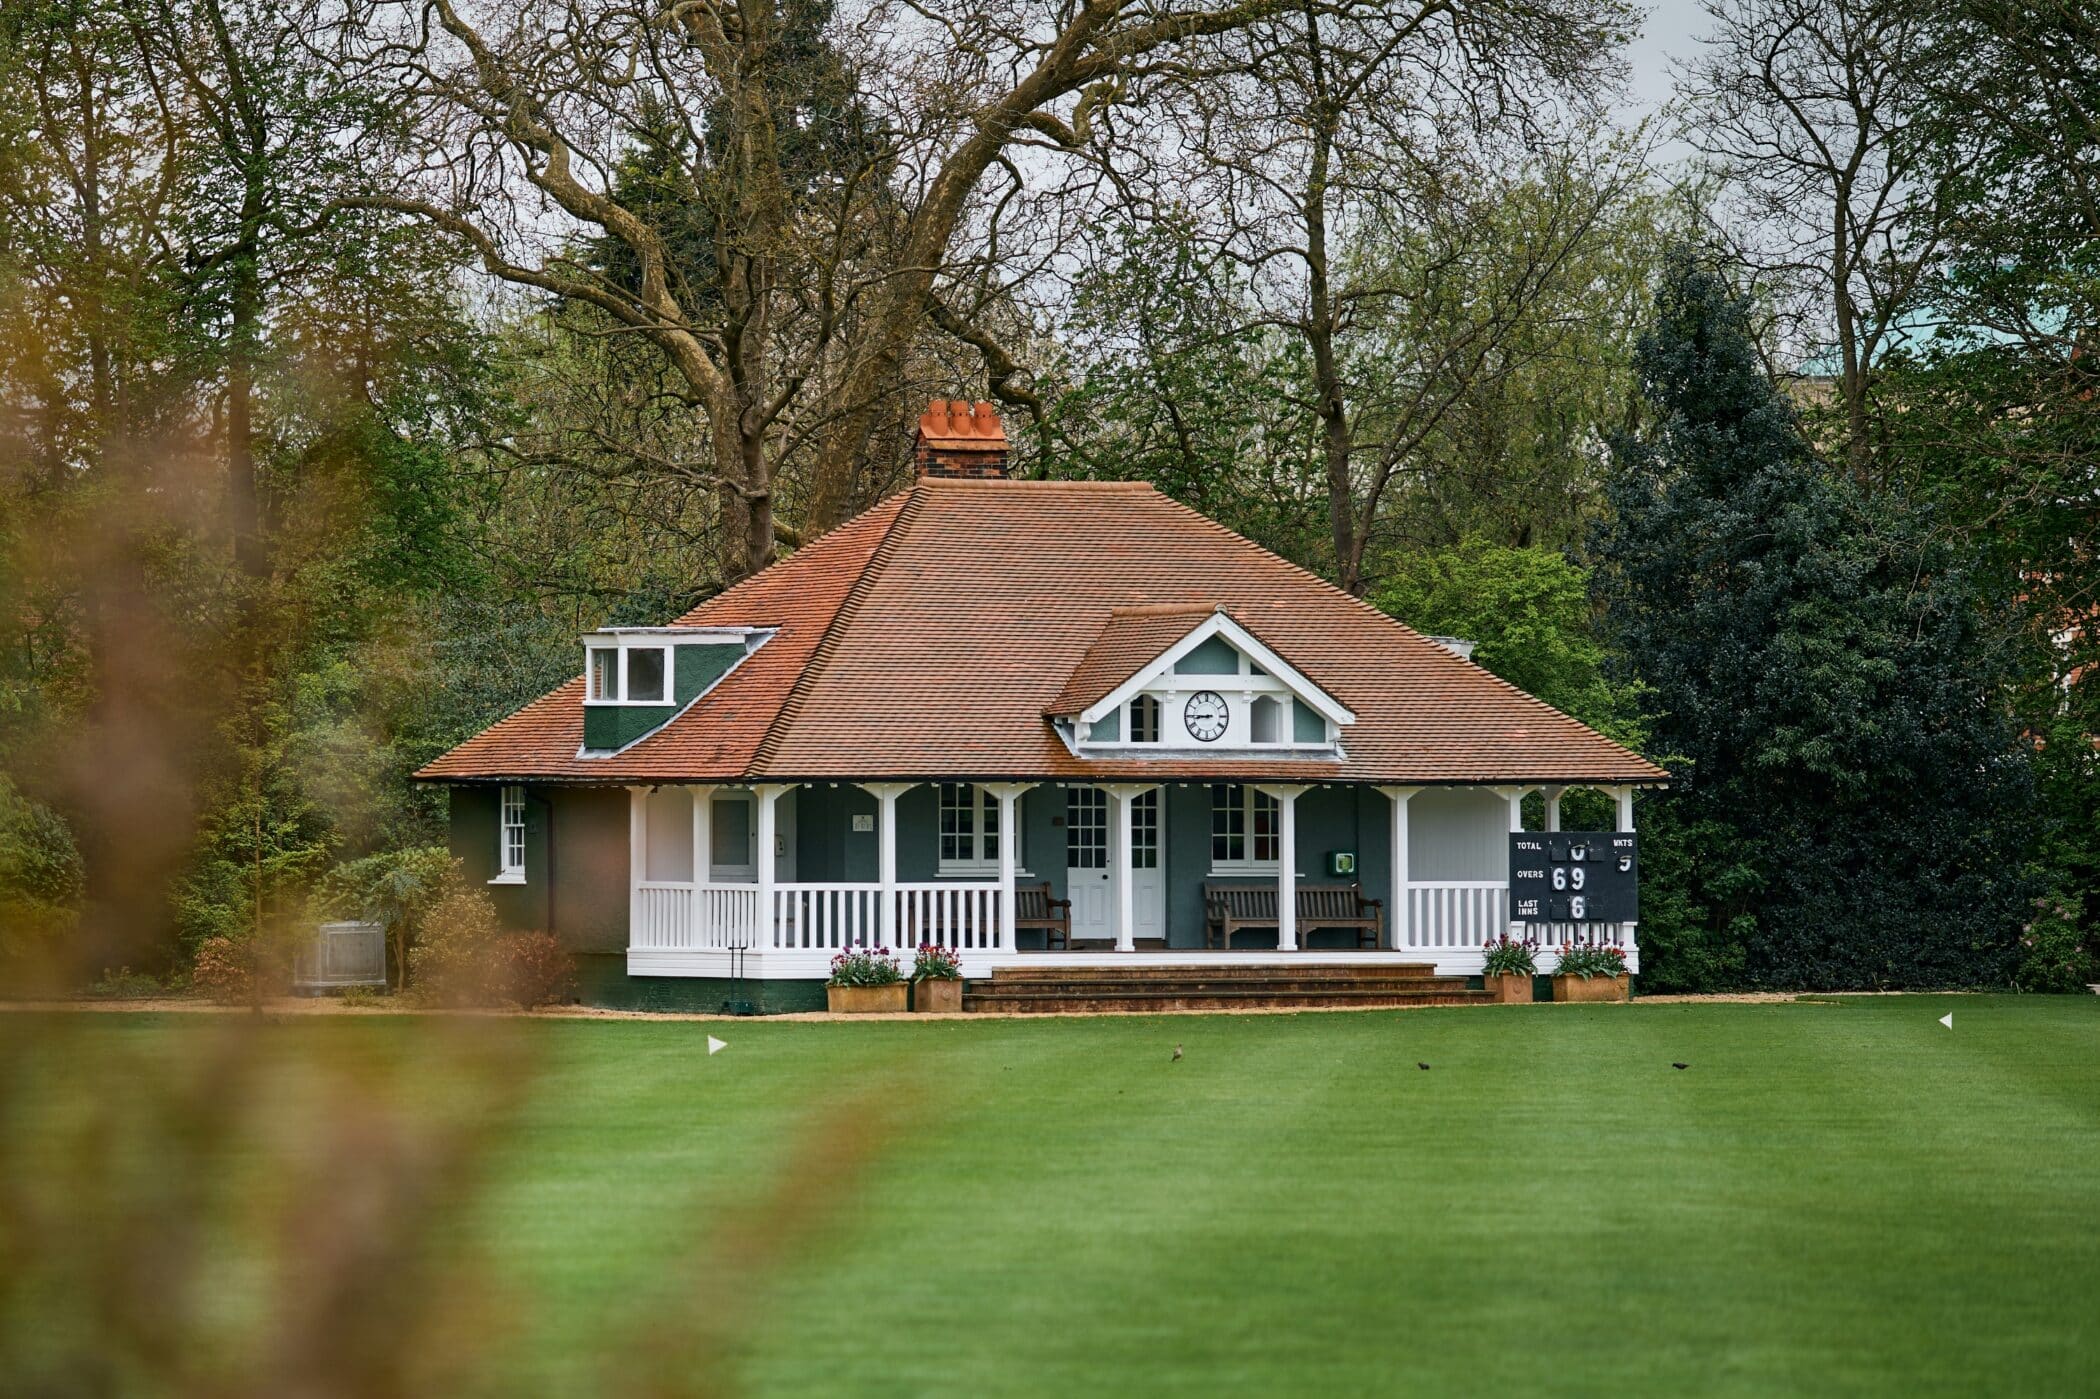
[
  {"x": 866, "y": 1000},
  {"x": 937, "y": 995},
  {"x": 1592, "y": 988},
  {"x": 1510, "y": 988}
]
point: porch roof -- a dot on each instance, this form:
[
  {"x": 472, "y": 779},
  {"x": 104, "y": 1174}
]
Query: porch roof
[{"x": 929, "y": 637}]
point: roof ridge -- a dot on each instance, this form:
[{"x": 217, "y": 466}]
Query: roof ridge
[
  {"x": 841, "y": 616},
  {"x": 1164, "y": 609},
  {"x": 1385, "y": 617}
]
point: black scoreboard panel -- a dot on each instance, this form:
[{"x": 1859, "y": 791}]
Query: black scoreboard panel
[{"x": 1574, "y": 877}]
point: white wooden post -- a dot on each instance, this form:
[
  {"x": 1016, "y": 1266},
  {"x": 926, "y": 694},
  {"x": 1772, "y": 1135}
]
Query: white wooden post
[
  {"x": 886, "y": 794},
  {"x": 637, "y": 856},
  {"x": 1286, "y": 865},
  {"x": 703, "y": 853},
  {"x": 767, "y": 794},
  {"x": 1625, "y": 795},
  {"x": 1403, "y": 901},
  {"x": 1516, "y": 825},
  {"x": 1553, "y": 808},
  {"x": 1123, "y": 919},
  {"x": 1009, "y": 795}
]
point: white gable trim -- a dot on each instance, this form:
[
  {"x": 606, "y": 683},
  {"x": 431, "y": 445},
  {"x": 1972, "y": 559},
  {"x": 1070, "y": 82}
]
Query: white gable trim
[{"x": 1219, "y": 624}]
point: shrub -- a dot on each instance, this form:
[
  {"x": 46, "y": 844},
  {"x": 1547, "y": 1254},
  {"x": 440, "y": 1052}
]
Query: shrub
[
  {"x": 1591, "y": 961},
  {"x": 124, "y": 984},
  {"x": 1506, "y": 956},
  {"x": 936, "y": 964},
  {"x": 533, "y": 969},
  {"x": 2054, "y": 956},
  {"x": 362, "y": 997},
  {"x": 454, "y": 959},
  {"x": 396, "y": 889},
  {"x": 224, "y": 970},
  {"x": 865, "y": 966}
]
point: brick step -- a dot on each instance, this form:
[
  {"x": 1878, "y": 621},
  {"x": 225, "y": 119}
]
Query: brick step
[
  {"x": 1154, "y": 1001},
  {"x": 1310, "y": 971},
  {"x": 1208, "y": 985}
]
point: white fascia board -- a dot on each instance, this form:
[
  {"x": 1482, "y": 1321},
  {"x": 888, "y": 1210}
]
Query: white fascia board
[
  {"x": 1219, "y": 624},
  {"x": 699, "y": 636}
]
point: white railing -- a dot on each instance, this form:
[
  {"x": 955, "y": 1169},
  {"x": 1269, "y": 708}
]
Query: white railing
[
  {"x": 964, "y": 917},
  {"x": 826, "y": 917},
  {"x": 1457, "y": 913},
  {"x": 663, "y": 916},
  {"x": 679, "y": 917},
  {"x": 728, "y": 915}
]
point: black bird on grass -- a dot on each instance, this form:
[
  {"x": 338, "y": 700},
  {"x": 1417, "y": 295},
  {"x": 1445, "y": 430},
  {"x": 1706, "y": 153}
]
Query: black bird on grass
[
  {"x": 1421, "y": 1066},
  {"x": 1177, "y": 1055},
  {"x": 1680, "y": 1066}
]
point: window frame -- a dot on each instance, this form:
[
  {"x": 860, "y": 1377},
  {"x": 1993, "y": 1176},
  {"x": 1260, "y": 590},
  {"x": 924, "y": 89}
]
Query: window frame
[
  {"x": 1154, "y": 713},
  {"x": 1253, "y": 809},
  {"x": 984, "y": 837},
  {"x": 623, "y": 676},
  {"x": 510, "y": 803}
]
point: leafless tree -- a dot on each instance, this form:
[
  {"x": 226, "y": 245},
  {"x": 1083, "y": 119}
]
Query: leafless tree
[
  {"x": 771, "y": 197},
  {"x": 1803, "y": 103},
  {"x": 1355, "y": 170}
]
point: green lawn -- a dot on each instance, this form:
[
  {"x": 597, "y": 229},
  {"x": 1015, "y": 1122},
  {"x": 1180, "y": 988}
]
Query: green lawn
[{"x": 1832, "y": 1199}]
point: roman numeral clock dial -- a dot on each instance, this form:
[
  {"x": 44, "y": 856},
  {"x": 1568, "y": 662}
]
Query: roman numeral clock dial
[{"x": 1205, "y": 716}]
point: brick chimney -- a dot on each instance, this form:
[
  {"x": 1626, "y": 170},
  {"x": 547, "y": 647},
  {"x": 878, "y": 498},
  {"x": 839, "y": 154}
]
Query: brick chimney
[{"x": 962, "y": 440}]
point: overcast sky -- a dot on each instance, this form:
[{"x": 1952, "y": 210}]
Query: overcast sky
[{"x": 1671, "y": 32}]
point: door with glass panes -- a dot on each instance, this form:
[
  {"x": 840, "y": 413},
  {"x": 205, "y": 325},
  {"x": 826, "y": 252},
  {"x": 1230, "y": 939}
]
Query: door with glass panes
[{"x": 1087, "y": 873}]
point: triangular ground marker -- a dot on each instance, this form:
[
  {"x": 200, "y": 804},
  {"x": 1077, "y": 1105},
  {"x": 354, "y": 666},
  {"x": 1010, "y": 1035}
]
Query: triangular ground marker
[
  {"x": 1948, "y": 1020},
  {"x": 715, "y": 1046}
]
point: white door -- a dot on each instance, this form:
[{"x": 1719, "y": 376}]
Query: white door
[
  {"x": 733, "y": 839},
  {"x": 1086, "y": 863},
  {"x": 1148, "y": 866}
]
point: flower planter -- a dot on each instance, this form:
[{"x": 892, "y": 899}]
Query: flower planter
[
  {"x": 1510, "y": 988},
  {"x": 866, "y": 1000},
  {"x": 937, "y": 995},
  {"x": 1592, "y": 988}
]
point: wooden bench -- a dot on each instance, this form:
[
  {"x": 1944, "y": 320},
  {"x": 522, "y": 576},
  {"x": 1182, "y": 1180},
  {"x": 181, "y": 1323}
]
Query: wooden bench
[
  {"x": 1227, "y": 908},
  {"x": 1034, "y": 908}
]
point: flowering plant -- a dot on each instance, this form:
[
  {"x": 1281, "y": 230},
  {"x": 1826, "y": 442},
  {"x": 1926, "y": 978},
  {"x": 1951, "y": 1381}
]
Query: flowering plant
[
  {"x": 865, "y": 966},
  {"x": 936, "y": 964},
  {"x": 1592, "y": 961},
  {"x": 1508, "y": 957}
]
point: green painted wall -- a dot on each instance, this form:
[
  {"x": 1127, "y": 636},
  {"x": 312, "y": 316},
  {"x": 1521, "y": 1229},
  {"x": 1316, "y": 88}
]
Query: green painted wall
[
  {"x": 1306, "y": 724},
  {"x": 693, "y": 669},
  {"x": 589, "y": 892},
  {"x": 1212, "y": 657},
  {"x": 1108, "y": 728},
  {"x": 605, "y": 982}
]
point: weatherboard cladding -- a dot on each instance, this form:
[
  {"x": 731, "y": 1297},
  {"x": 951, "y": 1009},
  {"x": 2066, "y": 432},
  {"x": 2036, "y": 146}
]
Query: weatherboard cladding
[{"x": 931, "y": 636}]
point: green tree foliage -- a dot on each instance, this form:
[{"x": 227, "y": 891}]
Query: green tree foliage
[
  {"x": 1853, "y": 808},
  {"x": 1529, "y": 611}
]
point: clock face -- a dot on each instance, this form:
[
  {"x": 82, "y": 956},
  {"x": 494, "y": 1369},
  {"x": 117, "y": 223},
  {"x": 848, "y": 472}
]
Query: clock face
[{"x": 1205, "y": 716}]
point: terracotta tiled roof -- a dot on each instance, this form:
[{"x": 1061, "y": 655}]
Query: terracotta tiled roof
[
  {"x": 1130, "y": 637},
  {"x": 719, "y": 736},
  {"x": 929, "y": 637}
]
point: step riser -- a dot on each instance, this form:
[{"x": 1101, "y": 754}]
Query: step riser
[
  {"x": 1196, "y": 987},
  {"x": 1057, "y": 1005},
  {"x": 1315, "y": 972}
]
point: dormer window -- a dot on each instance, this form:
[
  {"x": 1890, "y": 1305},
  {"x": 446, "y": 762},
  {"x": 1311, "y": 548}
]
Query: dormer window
[
  {"x": 604, "y": 671},
  {"x": 629, "y": 674},
  {"x": 1144, "y": 720},
  {"x": 646, "y": 668}
]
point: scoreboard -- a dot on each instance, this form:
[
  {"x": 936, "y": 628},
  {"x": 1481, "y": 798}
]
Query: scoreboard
[{"x": 1574, "y": 877}]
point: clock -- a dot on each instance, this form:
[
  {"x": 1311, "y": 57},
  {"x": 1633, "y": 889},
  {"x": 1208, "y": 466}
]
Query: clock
[{"x": 1205, "y": 716}]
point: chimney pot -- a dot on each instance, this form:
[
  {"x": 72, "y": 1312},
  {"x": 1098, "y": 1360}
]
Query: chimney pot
[{"x": 961, "y": 439}]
